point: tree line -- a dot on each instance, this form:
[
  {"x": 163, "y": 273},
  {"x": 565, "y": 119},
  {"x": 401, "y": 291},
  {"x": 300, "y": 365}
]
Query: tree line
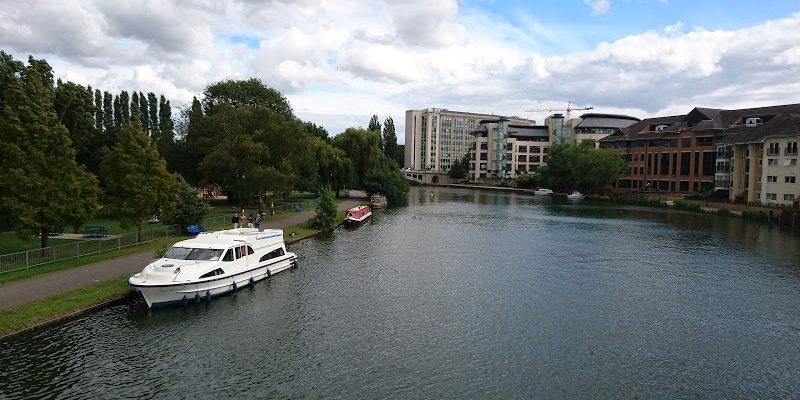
[{"x": 68, "y": 152}]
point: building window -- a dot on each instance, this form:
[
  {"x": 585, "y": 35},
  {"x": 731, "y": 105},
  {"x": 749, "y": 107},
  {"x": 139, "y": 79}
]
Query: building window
[
  {"x": 790, "y": 179},
  {"x": 544, "y": 149},
  {"x": 790, "y": 162},
  {"x": 536, "y": 149},
  {"x": 523, "y": 149},
  {"x": 791, "y": 148},
  {"x": 483, "y": 156},
  {"x": 521, "y": 158},
  {"x": 484, "y": 146},
  {"x": 774, "y": 149},
  {"x": 772, "y": 162},
  {"x": 684, "y": 187},
  {"x": 686, "y": 142},
  {"x": 483, "y": 166},
  {"x": 772, "y": 196},
  {"x": 788, "y": 197},
  {"x": 685, "y": 159},
  {"x": 534, "y": 158},
  {"x": 772, "y": 179}
]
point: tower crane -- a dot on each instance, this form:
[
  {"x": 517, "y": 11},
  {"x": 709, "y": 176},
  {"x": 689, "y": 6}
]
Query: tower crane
[{"x": 568, "y": 109}]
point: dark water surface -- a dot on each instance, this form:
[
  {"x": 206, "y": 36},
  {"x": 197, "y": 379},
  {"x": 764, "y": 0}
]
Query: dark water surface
[{"x": 463, "y": 294}]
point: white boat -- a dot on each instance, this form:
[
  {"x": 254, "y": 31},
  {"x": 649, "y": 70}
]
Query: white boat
[
  {"x": 575, "y": 195},
  {"x": 211, "y": 264},
  {"x": 358, "y": 214},
  {"x": 543, "y": 192}
]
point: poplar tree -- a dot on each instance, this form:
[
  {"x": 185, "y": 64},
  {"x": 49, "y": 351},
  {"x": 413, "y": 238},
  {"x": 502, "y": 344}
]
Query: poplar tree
[
  {"x": 108, "y": 114},
  {"x": 165, "y": 124},
  {"x": 125, "y": 106},
  {"x": 143, "y": 109},
  {"x": 74, "y": 107},
  {"x": 390, "y": 139},
  {"x": 41, "y": 183},
  {"x": 98, "y": 110},
  {"x": 118, "y": 121},
  {"x": 137, "y": 182},
  {"x": 152, "y": 103}
]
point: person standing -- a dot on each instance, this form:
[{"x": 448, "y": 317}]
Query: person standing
[
  {"x": 235, "y": 220},
  {"x": 259, "y": 218}
]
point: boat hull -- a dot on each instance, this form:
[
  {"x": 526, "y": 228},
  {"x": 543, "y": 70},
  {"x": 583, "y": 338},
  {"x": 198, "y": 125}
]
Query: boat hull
[
  {"x": 165, "y": 294},
  {"x": 354, "y": 220}
]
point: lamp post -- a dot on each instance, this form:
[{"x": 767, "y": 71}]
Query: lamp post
[{"x": 241, "y": 198}]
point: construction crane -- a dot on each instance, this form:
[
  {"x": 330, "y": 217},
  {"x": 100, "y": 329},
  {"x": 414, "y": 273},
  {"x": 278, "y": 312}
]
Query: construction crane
[{"x": 568, "y": 109}]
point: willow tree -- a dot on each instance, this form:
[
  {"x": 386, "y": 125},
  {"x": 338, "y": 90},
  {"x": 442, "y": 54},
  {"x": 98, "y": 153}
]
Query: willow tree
[
  {"x": 41, "y": 183},
  {"x": 137, "y": 182}
]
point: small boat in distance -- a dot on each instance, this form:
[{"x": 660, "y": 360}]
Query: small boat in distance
[
  {"x": 378, "y": 201},
  {"x": 543, "y": 192},
  {"x": 211, "y": 264},
  {"x": 575, "y": 195},
  {"x": 358, "y": 214}
]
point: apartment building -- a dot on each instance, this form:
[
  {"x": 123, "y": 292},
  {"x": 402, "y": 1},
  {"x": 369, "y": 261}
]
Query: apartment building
[
  {"x": 713, "y": 149},
  {"x": 437, "y": 137},
  {"x": 503, "y": 150},
  {"x": 757, "y": 159}
]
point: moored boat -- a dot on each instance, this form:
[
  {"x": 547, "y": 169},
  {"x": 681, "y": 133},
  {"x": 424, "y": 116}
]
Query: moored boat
[
  {"x": 358, "y": 214},
  {"x": 575, "y": 195},
  {"x": 378, "y": 201},
  {"x": 211, "y": 264},
  {"x": 543, "y": 192}
]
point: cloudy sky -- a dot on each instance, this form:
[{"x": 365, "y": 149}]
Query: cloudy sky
[{"x": 339, "y": 62}]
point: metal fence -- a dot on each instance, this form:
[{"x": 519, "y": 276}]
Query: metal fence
[{"x": 82, "y": 248}]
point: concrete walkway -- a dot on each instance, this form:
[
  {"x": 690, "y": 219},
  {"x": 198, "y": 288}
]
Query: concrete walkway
[{"x": 39, "y": 287}]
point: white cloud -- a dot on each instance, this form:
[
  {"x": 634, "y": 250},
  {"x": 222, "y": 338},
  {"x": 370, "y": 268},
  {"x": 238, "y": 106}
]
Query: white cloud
[
  {"x": 599, "y": 7},
  {"x": 339, "y": 62}
]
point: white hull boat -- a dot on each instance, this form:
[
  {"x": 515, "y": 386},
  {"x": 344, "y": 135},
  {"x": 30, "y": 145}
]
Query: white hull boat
[
  {"x": 211, "y": 264},
  {"x": 543, "y": 192},
  {"x": 575, "y": 195}
]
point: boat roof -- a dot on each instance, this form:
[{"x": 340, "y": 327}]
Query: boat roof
[
  {"x": 356, "y": 208},
  {"x": 232, "y": 237}
]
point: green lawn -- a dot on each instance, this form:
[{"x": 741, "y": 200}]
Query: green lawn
[
  {"x": 54, "y": 306},
  {"x": 11, "y": 243}
]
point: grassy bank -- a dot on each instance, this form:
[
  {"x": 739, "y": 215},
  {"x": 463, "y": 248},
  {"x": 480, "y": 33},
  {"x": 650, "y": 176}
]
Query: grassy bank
[{"x": 52, "y": 307}]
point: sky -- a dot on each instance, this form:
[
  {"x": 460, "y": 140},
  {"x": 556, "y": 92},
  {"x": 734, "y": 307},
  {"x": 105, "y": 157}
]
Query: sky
[{"x": 340, "y": 62}]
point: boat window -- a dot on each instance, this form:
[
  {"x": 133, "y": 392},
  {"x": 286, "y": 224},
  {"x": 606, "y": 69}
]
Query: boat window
[
  {"x": 272, "y": 254},
  {"x": 228, "y": 255},
  {"x": 250, "y": 250},
  {"x": 215, "y": 272},
  {"x": 187, "y": 253}
]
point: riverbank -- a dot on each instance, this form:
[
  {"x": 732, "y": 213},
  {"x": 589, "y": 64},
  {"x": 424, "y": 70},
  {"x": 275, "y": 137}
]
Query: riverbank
[{"x": 41, "y": 301}]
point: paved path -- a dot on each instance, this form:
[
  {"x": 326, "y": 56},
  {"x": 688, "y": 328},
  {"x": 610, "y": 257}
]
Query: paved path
[{"x": 38, "y": 287}]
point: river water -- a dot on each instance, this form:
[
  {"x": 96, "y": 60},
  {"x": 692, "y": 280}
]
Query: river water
[{"x": 462, "y": 294}]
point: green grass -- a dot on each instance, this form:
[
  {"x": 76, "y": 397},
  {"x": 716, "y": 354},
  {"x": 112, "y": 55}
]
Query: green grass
[
  {"x": 304, "y": 229},
  {"x": 11, "y": 243},
  {"x": 77, "y": 262},
  {"x": 54, "y": 306}
]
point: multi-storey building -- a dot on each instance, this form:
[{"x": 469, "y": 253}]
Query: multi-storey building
[
  {"x": 502, "y": 149},
  {"x": 713, "y": 149},
  {"x": 757, "y": 159},
  {"x": 436, "y": 137}
]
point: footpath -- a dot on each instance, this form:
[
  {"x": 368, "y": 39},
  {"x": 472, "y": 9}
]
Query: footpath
[{"x": 39, "y": 287}]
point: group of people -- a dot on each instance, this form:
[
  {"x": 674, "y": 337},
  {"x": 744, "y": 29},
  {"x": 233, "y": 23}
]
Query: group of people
[{"x": 242, "y": 220}]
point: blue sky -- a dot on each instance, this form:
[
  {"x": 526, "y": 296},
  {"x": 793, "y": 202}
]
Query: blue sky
[{"x": 340, "y": 61}]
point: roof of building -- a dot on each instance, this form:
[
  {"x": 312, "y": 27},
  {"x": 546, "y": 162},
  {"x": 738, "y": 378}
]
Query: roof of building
[
  {"x": 528, "y": 131},
  {"x": 713, "y": 120},
  {"x": 606, "y": 121}
]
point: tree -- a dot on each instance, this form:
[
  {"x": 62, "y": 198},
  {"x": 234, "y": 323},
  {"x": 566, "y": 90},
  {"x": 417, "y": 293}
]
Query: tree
[
  {"x": 125, "y": 106},
  {"x": 108, "y": 115},
  {"x": 42, "y": 185},
  {"x": 315, "y": 130},
  {"x": 74, "y": 108},
  {"x": 152, "y": 103},
  {"x": 390, "y": 140},
  {"x": 189, "y": 209},
  {"x": 375, "y": 126},
  {"x": 165, "y": 125},
  {"x": 250, "y": 93},
  {"x": 143, "y": 109},
  {"x": 136, "y": 177},
  {"x": 325, "y": 217},
  {"x": 118, "y": 121},
  {"x": 98, "y": 110},
  {"x": 460, "y": 169},
  {"x": 581, "y": 167}
]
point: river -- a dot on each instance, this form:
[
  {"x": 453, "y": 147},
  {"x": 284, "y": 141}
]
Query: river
[{"x": 462, "y": 294}]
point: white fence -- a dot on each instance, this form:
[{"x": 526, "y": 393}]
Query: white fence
[{"x": 82, "y": 248}]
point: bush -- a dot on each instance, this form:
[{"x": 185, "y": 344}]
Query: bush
[
  {"x": 686, "y": 206},
  {"x": 325, "y": 218},
  {"x": 724, "y": 212}
]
